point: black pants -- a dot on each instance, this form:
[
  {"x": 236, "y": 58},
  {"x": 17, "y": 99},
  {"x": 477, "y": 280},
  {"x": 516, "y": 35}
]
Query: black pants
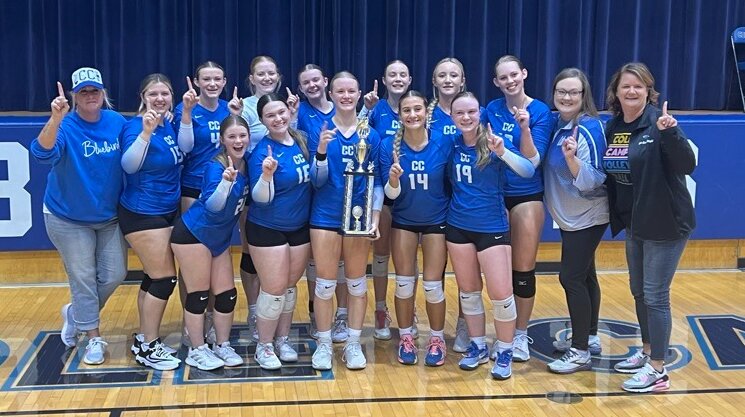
[{"x": 580, "y": 281}]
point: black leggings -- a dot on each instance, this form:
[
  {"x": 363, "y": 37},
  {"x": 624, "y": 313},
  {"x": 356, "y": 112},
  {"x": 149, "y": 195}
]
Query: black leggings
[{"x": 580, "y": 281}]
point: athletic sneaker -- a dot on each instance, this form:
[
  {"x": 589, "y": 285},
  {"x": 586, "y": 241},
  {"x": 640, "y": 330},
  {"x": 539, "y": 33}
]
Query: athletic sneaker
[
  {"x": 502, "y": 368},
  {"x": 340, "y": 331},
  {"x": 593, "y": 345},
  {"x": 573, "y": 360},
  {"x": 202, "y": 357},
  {"x": 322, "y": 357},
  {"x": 313, "y": 328},
  {"x": 462, "y": 341},
  {"x": 155, "y": 356},
  {"x": 265, "y": 356},
  {"x": 69, "y": 333},
  {"x": 95, "y": 351},
  {"x": 474, "y": 357},
  {"x": 253, "y": 331},
  {"x": 382, "y": 325},
  {"x": 436, "y": 351},
  {"x": 139, "y": 339},
  {"x": 647, "y": 380},
  {"x": 353, "y": 356},
  {"x": 407, "y": 350},
  {"x": 521, "y": 351},
  {"x": 284, "y": 349},
  {"x": 227, "y": 354},
  {"x": 633, "y": 364}
]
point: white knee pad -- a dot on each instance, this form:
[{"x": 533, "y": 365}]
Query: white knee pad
[
  {"x": 504, "y": 310},
  {"x": 433, "y": 291},
  {"x": 357, "y": 286},
  {"x": 340, "y": 277},
  {"x": 325, "y": 288},
  {"x": 310, "y": 271},
  {"x": 268, "y": 306},
  {"x": 380, "y": 265},
  {"x": 290, "y": 300},
  {"x": 405, "y": 286},
  {"x": 471, "y": 303}
]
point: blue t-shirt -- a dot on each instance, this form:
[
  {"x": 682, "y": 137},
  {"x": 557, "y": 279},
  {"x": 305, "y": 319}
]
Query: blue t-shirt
[
  {"x": 328, "y": 198},
  {"x": 424, "y": 196},
  {"x": 206, "y": 127},
  {"x": 290, "y": 208},
  {"x": 85, "y": 182},
  {"x": 214, "y": 229},
  {"x": 156, "y": 188},
  {"x": 477, "y": 203},
  {"x": 503, "y": 124},
  {"x": 383, "y": 119},
  {"x": 310, "y": 119}
]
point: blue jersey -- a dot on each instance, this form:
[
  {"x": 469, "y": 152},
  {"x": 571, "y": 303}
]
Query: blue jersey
[
  {"x": 424, "y": 195},
  {"x": 503, "y": 123},
  {"x": 477, "y": 203},
  {"x": 156, "y": 188},
  {"x": 384, "y": 119},
  {"x": 290, "y": 208},
  {"x": 310, "y": 119},
  {"x": 214, "y": 229},
  {"x": 328, "y": 199},
  {"x": 85, "y": 182},
  {"x": 442, "y": 123},
  {"x": 206, "y": 127}
]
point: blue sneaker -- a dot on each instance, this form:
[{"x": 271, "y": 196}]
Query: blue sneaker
[
  {"x": 502, "y": 368},
  {"x": 474, "y": 357},
  {"x": 407, "y": 351},
  {"x": 436, "y": 351}
]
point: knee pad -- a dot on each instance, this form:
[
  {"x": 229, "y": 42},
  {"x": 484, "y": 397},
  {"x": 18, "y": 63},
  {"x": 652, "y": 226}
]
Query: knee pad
[
  {"x": 225, "y": 301},
  {"x": 433, "y": 291},
  {"x": 290, "y": 300},
  {"x": 162, "y": 288},
  {"x": 247, "y": 264},
  {"x": 196, "y": 302},
  {"x": 357, "y": 286},
  {"x": 471, "y": 303},
  {"x": 504, "y": 310},
  {"x": 340, "y": 277},
  {"x": 325, "y": 288},
  {"x": 310, "y": 271},
  {"x": 405, "y": 286},
  {"x": 523, "y": 283},
  {"x": 380, "y": 265},
  {"x": 146, "y": 281},
  {"x": 268, "y": 306}
]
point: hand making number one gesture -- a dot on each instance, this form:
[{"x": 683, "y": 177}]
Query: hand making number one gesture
[
  {"x": 666, "y": 121},
  {"x": 230, "y": 173},
  {"x": 269, "y": 166},
  {"x": 371, "y": 98},
  {"x": 496, "y": 143},
  {"x": 60, "y": 105},
  {"x": 569, "y": 146},
  {"x": 190, "y": 98},
  {"x": 235, "y": 105}
]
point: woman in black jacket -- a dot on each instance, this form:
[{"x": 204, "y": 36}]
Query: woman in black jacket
[{"x": 646, "y": 160}]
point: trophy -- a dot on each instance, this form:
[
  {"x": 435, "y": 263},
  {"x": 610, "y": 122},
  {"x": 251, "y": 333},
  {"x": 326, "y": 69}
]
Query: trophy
[{"x": 356, "y": 219}]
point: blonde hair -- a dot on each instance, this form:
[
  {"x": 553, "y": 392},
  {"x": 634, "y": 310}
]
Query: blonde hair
[
  {"x": 106, "y": 100},
  {"x": 483, "y": 152},
  {"x": 435, "y": 92},
  {"x": 252, "y": 67}
]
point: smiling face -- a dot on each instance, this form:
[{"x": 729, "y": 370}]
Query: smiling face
[
  {"x": 345, "y": 92},
  {"x": 632, "y": 93},
  {"x": 568, "y": 95},
  {"x": 235, "y": 140},
  {"x": 276, "y": 117},
  {"x": 313, "y": 84},
  {"x": 510, "y": 78},
  {"x": 158, "y": 96},
  {"x": 264, "y": 77},
  {"x": 448, "y": 78},
  {"x": 396, "y": 78},
  {"x": 211, "y": 82},
  {"x": 413, "y": 112},
  {"x": 466, "y": 114},
  {"x": 89, "y": 99}
]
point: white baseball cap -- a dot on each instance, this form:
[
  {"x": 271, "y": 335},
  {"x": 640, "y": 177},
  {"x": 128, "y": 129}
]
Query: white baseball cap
[{"x": 83, "y": 77}]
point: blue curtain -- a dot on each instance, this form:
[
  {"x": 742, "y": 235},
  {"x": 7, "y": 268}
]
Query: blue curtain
[{"x": 684, "y": 42}]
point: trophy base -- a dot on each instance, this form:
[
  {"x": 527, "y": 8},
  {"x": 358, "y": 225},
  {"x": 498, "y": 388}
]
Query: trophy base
[{"x": 357, "y": 233}]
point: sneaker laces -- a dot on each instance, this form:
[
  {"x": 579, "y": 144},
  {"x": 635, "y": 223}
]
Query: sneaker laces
[
  {"x": 472, "y": 351},
  {"x": 408, "y": 344},
  {"x": 96, "y": 342},
  {"x": 504, "y": 358},
  {"x": 340, "y": 325},
  {"x": 352, "y": 349},
  {"x": 525, "y": 337},
  {"x": 324, "y": 348},
  {"x": 569, "y": 355},
  {"x": 436, "y": 343}
]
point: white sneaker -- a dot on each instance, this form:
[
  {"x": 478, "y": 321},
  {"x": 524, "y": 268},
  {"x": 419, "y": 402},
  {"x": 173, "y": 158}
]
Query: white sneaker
[
  {"x": 227, "y": 354},
  {"x": 520, "y": 349},
  {"x": 462, "y": 341},
  {"x": 340, "y": 332},
  {"x": 593, "y": 345},
  {"x": 322, "y": 357},
  {"x": 266, "y": 358},
  {"x": 203, "y": 358},
  {"x": 69, "y": 332},
  {"x": 354, "y": 357},
  {"x": 95, "y": 352},
  {"x": 155, "y": 356},
  {"x": 572, "y": 361},
  {"x": 382, "y": 325},
  {"x": 284, "y": 349}
]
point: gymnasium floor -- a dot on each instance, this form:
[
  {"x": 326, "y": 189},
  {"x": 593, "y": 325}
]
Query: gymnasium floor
[{"x": 40, "y": 377}]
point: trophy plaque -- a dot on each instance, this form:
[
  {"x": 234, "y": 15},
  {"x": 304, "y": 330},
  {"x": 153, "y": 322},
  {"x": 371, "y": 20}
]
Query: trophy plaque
[{"x": 357, "y": 219}]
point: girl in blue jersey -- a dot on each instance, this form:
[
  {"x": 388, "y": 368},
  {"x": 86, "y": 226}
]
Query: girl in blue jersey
[
  {"x": 383, "y": 116},
  {"x": 277, "y": 227},
  {"x": 147, "y": 210},
  {"x": 526, "y": 123},
  {"x": 332, "y": 149},
  {"x": 578, "y": 202},
  {"x": 478, "y": 232},
  {"x": 414, "y": 167},
  {"x": 80, "y": 203},
  {"x": 201, "y": 242}
]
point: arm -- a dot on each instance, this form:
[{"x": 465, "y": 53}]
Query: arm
[
  {"x": 185, "y": 137},
  {"x": 216, "y": 202},
  {"x": 517, "y": 163},
  {"x": 134, "y": 156},
  {"x": 677, "y": 151}
]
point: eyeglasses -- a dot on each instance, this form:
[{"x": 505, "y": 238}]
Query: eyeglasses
[{"x": 571, "y": 93}]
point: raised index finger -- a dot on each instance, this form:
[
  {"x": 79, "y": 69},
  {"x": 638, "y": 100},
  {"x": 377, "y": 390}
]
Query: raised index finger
[
  {"x": 664, "y": 108},
  {"x": 188, "y": 81},
  {"x": 60, "y": 90},
  {"x": 269, "y": 151},
  {"x": 289, "y": 92},
  {"x": 375, "y": 86},
  {"x": 395, "y": 157},
  {"x": 574, "y": 133},
  {"x": 230, "y": 162},
  {"x": 235, "y": 92}
]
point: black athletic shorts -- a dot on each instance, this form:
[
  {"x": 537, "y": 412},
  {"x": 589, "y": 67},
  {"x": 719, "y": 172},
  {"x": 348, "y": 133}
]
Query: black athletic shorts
[
  {"x": 131, "y": 222},
  {"x": 261, "y": 236},
  {"x": 439, "y": 229},
  {"x": 190, "y": 192},
  {"x": 512, "y": 201},
  {"x": 181, "y": 235},
  {"x": 481, "y": 240}
]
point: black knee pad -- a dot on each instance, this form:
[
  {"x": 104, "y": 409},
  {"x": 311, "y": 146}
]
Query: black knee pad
[
  {"x": 196, "y": 302},
  {"x": 162, "y": 288},
  {"x": 225, "y": 301},
  {"x": 523, "y": 283},
  {"x": 146, "y": 281},
  {"x": 247, "y": 264}
]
